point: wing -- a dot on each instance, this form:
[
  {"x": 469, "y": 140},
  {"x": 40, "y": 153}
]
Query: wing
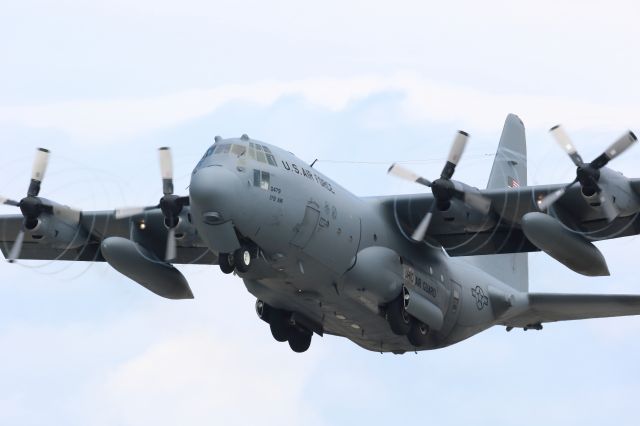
[
  {"x": 566, "y": 307},
  {"x": 147, "y": 229},
  {"x": 463, "y": 231}
]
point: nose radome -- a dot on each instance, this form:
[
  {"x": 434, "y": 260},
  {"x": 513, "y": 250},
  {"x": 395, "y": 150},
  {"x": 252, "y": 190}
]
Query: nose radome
[{"x": 214, "y": 194}]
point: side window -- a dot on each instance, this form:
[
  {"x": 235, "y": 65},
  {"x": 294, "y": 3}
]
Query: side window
[
  {"x": 261, "y": 179},
  {"x": 266, "y": 179}
]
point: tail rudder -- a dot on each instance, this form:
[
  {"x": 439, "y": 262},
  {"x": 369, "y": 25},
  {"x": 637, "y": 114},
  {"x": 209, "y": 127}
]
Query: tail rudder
[{"x": 509, "y": 171}]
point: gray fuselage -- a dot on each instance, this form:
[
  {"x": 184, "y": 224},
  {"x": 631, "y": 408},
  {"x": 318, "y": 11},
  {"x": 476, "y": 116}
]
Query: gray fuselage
[{"x": 318, "y": 249}]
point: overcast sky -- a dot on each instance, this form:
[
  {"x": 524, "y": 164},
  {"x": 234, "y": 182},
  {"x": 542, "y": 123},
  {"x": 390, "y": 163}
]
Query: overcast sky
[{"x": 103, "y": 85}]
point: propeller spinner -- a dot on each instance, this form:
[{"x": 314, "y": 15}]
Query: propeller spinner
[
  {"x": 588, "y": 174},
  {"x": 444, "y": 189}
]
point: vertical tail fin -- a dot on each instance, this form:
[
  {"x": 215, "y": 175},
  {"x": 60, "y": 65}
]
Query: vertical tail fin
[{"x": 509, "y": 170}]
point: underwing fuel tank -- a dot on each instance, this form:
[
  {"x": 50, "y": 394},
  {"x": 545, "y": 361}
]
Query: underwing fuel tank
[
  {"x": 142, "y": 266},
  {"x": 570, "y": 248}
]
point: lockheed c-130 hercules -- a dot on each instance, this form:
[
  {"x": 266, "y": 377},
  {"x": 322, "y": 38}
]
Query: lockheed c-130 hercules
[{"x": 390, "y": 273}]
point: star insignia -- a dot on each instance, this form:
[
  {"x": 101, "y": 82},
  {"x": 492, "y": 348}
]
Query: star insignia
[{"x": 481, "y": 299}]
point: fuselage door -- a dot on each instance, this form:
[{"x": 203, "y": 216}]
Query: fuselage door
[{"x": 304, "y": 230}]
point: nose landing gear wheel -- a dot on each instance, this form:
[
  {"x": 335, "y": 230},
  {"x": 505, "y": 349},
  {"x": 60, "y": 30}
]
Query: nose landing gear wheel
[
  {"x": 226, "y": 261},
  {"x": 242, "y": 259}
]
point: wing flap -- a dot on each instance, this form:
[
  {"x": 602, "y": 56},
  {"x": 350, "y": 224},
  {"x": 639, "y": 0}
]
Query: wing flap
[{"x": 546, "y": 307}]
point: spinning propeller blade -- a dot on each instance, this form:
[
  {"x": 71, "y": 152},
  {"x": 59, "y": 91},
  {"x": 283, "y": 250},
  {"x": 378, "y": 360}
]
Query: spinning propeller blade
[
  {"x": 444, "y": 189},
  {"x": 9, "y": 202},
  {"x": 588, "y": 174},
  {"x": 406, "y": 174},
  {"x": 40, "y": 163},
  {"x": 421, "y": 230},
  {"x": 17, "y": 247},
  {"x": 171, "y": 249},
  {"x": 459, "y": 143},
  {"x": 166, "y": 169},
  {"x": 562, "y": 138}
]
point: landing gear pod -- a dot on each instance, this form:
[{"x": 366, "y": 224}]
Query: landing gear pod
[
  {"x": 142, "y": 266},
  {"x": 376, "y": 278},
  {"x": 567, "y": 247}
]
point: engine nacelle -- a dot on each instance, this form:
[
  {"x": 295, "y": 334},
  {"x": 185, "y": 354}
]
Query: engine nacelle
[
  {"x": 57, "y": 233},
  {"x": 375, "y": 279},
  {"x": 142, "y": 266}
]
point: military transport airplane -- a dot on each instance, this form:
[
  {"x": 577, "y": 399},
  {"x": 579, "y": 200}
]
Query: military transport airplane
[{"x": 390, "y": 273}]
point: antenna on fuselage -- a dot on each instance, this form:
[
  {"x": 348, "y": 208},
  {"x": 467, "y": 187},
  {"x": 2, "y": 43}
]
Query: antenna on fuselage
[{"x": 314, "y": 162}]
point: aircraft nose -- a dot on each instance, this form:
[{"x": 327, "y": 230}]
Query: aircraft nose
[{"x": 213, "y": 194}]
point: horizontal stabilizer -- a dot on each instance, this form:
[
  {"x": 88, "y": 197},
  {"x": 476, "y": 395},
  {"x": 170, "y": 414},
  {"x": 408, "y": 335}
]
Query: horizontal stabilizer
[{"x": 544, "y": 307}]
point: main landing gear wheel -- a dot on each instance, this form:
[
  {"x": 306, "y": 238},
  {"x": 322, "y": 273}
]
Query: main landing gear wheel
[
  {"x": 300, "y": 340},
  {"x": 279, "y": 325},
  {"x": 242, "y": 258},
  {"x": 263, "y": 310},
  {"x": 418, "y": 333},
  {"x": 226, "y": 261},
  {"x": 398, "y": 318}
]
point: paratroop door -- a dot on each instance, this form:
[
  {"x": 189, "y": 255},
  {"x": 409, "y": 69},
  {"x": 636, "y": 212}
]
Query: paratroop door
[{"x": 305, "y": 229}]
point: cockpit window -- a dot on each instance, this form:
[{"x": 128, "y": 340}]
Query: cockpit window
[
  {"x": 238, "y": 149},
  {"x": 262, "y": 154},
  {"x": 223, "y": 149}
]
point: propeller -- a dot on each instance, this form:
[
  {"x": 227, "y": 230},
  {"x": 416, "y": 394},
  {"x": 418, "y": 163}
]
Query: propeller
[
  {"x": 444, "y": 189},
  {"x": 32, "y": 206},
  {"x": 588, "y": 174},
  {"x": 170, "y": 204}
]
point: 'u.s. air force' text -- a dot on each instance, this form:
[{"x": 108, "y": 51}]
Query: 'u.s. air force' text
[{"x": 308, "y": 174}]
